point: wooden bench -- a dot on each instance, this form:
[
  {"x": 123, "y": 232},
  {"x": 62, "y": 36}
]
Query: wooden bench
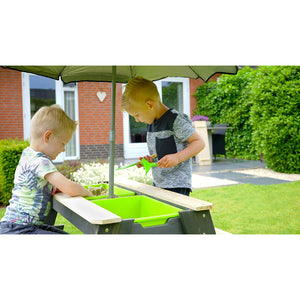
[
  {"x": 88, "y": 210},
  {"x": 164, "y": 195}
]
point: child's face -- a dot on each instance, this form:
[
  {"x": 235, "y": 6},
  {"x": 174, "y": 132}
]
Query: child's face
[
  {"x": 141, "y": 112},
  {"x": 56, "y": 144}
]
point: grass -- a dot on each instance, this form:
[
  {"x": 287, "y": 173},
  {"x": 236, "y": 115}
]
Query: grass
[
  {"x": 255, "y": 209},
  {"x": 244, "y": 208}
]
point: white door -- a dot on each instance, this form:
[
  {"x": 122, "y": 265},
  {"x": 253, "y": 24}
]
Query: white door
[
  {"x": 41, "y": 91},
  {"x": 175, "y": 93}
]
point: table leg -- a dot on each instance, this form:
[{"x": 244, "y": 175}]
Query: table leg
[{"x": 197, "y": 222}]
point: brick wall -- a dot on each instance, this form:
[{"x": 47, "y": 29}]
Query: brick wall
[
  {"x": 11, "y": 110},
  {"x": 94, "y": 152},
  {"x": 94, "y": 116},
  {"x": 94, "y": 120}
]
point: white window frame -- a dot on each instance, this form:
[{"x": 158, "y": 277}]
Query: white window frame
[
  {"x": 135, "y": 150},
  {"x": 75, "y": 89},
  {"x": 59, "y": 95}
]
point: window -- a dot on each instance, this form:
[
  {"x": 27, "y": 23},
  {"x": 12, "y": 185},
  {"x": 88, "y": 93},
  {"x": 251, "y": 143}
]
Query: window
[
  {"x": 41, "y": 91},
  {"x": 70, "y": 105}
]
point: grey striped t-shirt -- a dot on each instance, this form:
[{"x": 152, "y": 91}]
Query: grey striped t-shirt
[{"x": 168, "y": 135}]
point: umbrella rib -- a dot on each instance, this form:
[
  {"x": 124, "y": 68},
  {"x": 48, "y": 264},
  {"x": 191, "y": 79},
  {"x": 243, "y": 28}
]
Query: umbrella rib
[
  {"x": 60, "y": 73},
  {"x": 194, "y": 72},
  {"x": 131, "y": 71},
  {"x": 205, "y": 80}
]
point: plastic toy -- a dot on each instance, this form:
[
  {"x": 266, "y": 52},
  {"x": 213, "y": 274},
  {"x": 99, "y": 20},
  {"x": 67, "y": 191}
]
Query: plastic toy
[{"x": 146, "y": 164}]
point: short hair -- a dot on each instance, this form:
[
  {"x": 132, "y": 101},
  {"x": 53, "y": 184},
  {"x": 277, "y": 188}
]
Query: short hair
[
  {"x": 51, "y": 118},
  {"x": 143, "y": 88}
]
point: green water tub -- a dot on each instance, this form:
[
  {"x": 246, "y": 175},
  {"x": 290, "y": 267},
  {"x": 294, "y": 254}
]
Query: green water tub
[
  {"x": 144, "y": 210},
  {"x": 120, "y": 192}
]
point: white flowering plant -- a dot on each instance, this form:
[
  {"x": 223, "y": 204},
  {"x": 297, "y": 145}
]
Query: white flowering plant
[{"x": 95, "y": 173}]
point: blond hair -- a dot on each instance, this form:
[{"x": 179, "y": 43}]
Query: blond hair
[
  {"x": 51, "y": 118},
  {"x": 139, "y": 89}
]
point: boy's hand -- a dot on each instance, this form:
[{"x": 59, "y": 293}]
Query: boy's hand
[
  {"x": 168, "y": 161},
  {"x": 149, "y": 158},
  {"x": 55, "y": 190}
]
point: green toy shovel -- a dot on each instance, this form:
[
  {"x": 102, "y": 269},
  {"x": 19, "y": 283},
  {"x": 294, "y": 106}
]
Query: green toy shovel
[
  {"x": 146, "y": 164},
  {"x": 125, "y": 167}
]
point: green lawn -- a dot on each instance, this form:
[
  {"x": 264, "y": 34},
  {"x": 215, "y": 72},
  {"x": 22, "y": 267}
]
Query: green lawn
[
  {"x": 245, "y": 208},
  {"x": 255, "y": 209}
]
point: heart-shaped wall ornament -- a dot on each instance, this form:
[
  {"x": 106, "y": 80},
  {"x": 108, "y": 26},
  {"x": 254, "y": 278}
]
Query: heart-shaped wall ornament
[{"x": 101, "y": 96}]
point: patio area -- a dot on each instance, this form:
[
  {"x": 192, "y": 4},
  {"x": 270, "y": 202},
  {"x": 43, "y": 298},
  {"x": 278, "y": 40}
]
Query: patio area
[{"x": 232, "y": 171}]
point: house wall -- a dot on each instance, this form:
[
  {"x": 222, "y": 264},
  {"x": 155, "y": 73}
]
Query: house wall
[
  {"x": 94, "y": 116},
  {"x": 11, "y": 110},
  {"x": 194, "y": 83},
  {"x": 94, "y": 120}
]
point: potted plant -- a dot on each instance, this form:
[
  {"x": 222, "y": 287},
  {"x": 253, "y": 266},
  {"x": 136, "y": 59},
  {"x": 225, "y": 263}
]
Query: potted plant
[{"x": 201, "y": 119}]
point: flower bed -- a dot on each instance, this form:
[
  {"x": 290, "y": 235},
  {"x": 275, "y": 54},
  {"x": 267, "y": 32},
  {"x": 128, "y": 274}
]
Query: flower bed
[{"x": 95, "y": 173}]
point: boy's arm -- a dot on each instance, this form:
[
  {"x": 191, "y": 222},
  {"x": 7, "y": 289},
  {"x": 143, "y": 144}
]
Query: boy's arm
[
  {"x": 196, "y": 144},
  {"x": 67, "y": 186}
]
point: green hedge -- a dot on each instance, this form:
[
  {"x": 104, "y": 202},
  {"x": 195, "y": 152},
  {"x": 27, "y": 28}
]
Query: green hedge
[
  {"x": 262, "y": 107},
  {"x": 275, "y": 117},
  {"x": 227, "y": 101},
  {"x": 10, "y": 152}
]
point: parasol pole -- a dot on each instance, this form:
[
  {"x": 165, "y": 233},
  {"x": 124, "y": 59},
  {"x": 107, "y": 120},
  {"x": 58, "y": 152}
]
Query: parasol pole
[{"x": 112, "y": 134}]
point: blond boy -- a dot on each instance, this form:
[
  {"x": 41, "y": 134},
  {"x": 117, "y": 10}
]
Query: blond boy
[
  {"x": 36, "y": 177},
  {"x": 170, "y": 135}
]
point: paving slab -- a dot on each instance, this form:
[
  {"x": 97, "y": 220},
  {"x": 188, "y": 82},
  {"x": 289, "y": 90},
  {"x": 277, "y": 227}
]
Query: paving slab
[
  {"x": 229, "y": 164},
  {"x": 200, "y": 182},
  {"x": 224, "y": 172},
  {"x": 230, "y": 175},
  {"x": 256, "y": 180}
]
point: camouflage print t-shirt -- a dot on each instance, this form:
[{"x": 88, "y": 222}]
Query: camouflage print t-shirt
[
  {"x": 31, "y": 196},
  {"x": 168, "y": 135}
]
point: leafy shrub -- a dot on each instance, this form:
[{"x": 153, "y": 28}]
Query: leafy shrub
[
  {"x": 68, "y": 167},
  {"x": 262, "y": 107},
  {"x": 228, "y": 101},
  {"x": 275, "y": 117},
  {"x": 10, "y": 152}
]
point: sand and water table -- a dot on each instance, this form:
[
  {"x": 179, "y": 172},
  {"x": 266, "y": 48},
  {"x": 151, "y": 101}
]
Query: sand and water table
[{"x": 136, "y": 208}]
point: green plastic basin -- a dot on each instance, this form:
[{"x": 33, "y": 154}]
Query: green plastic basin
[
  {"x": 120, "y": 192},
  {"x": 143, "y": 209}
]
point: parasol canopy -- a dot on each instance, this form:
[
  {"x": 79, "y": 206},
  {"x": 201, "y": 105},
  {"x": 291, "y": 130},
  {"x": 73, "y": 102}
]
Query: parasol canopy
[{"x": 124, "y": 73}]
